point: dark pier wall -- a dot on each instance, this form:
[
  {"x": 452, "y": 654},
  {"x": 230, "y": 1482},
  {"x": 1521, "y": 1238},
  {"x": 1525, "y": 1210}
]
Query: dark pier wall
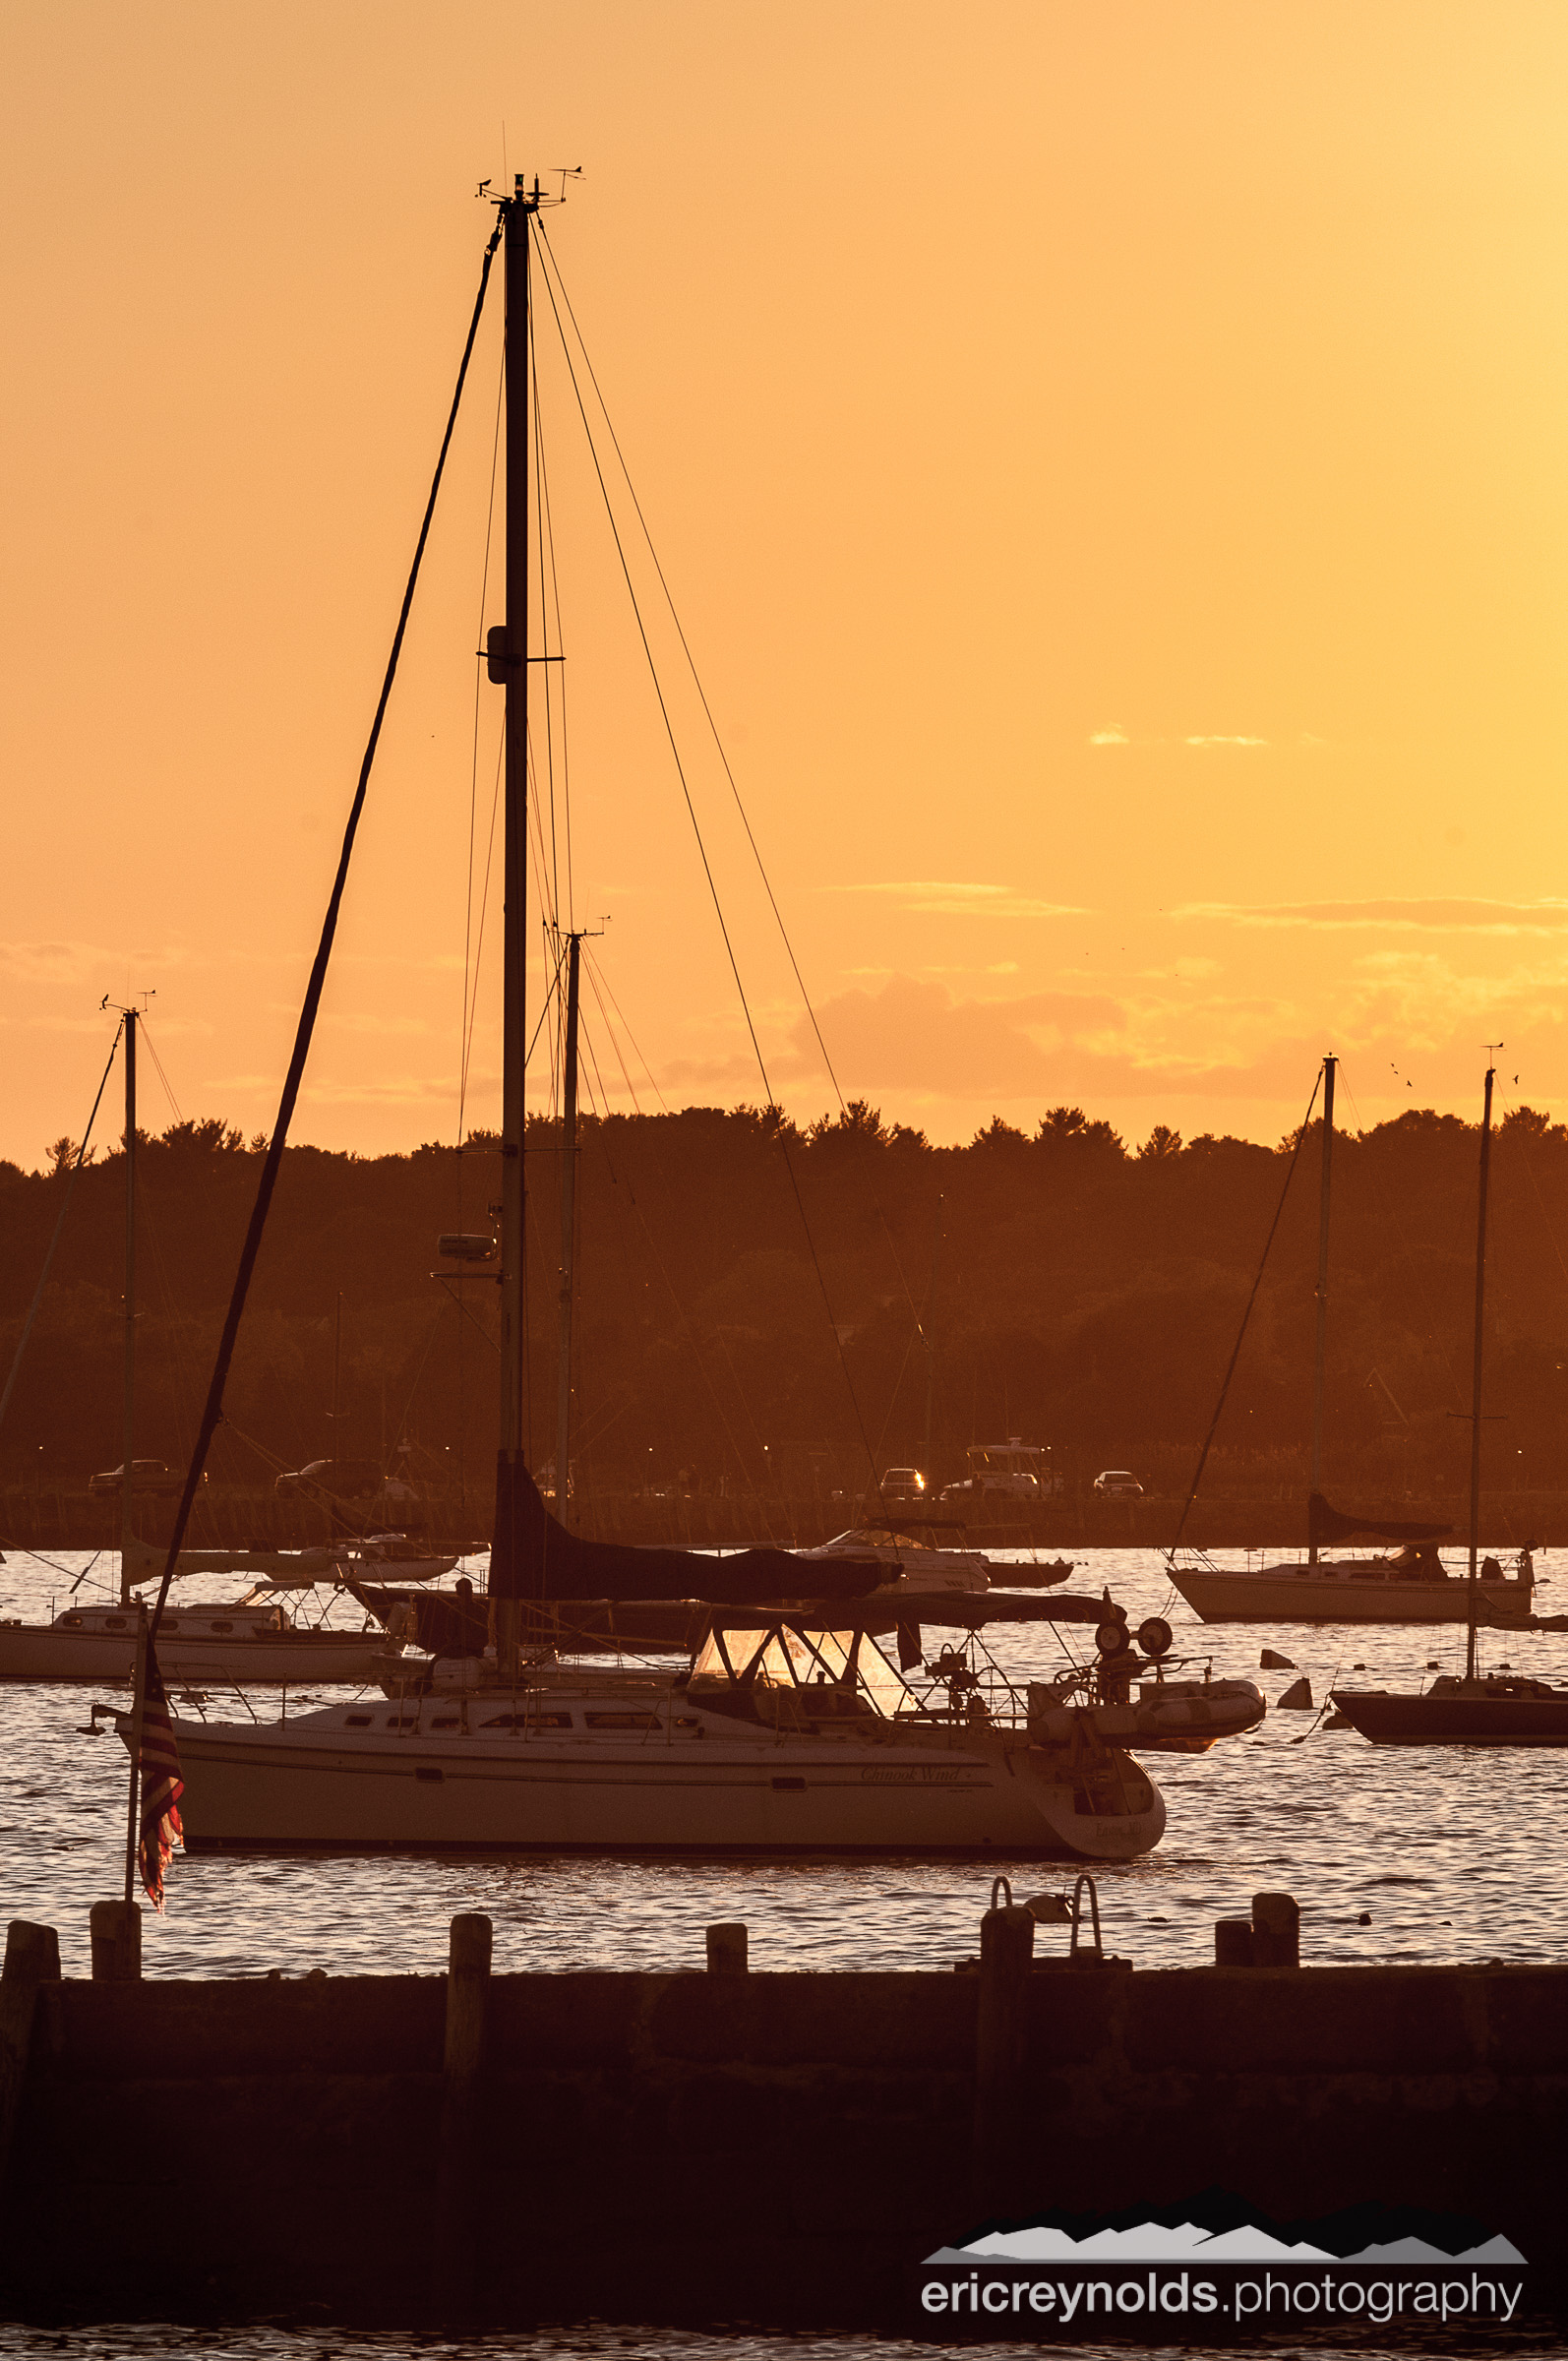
[{"x": 780, "y": 2148}]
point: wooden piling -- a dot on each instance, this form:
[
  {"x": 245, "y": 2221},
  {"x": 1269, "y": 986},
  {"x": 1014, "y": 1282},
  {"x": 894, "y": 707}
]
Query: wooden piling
[
  {"x": 1006, "y": 1956},
  {"x": 116, "y": 1929},
  {"x": 727, "y": 1944},
  {"x": 459, "y": 2173},
  {"x": 1276, "y": 1932},
  {"x": 1232, "y": 1943},
  {"x": 31, "y": 1960}
]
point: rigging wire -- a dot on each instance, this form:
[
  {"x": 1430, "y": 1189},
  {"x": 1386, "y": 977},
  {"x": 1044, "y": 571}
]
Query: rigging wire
[
  {"x": 707, "y": 870},
  {"x": 59, "y": 1225},
  {"x": 471, "y": 1012},
  {"x": 157, "y": 1063},
  {"x": 544, "y": 630},
  {"x": 273, "y": 1162},
  {"x": 631, "y": 1198},
  {"x": 1390, "y": 1207},
  {"x": 609, "y": 1036},
  {"x": 1529, "y": 1164},
  {"x": 1241, "y": 1335},
  {"x": 603, "y": 983},
  {"x": 550, "y": 662},
  {"x": 724, "y": 760},
  {"x": 472, "y": 986}
]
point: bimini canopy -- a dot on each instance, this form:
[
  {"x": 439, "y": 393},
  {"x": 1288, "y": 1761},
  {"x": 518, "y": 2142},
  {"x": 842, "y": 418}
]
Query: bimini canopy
[{"x": 775, "y": 1653}]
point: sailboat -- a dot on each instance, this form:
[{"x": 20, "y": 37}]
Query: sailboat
[
  {"x": 1409, "y": 1585},
  {"x": 202, "y": 1646},
  {"x": 790, "y": 1728},
  {"x": 1480, "y": 1709}
]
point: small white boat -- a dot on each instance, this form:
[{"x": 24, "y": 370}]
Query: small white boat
[
  {"x": 197, "y": 1647},
  {"x": 914, "y": 1562},
  {"x": 394, "y": 1554},
  {"x": 780, "y": 1737}
]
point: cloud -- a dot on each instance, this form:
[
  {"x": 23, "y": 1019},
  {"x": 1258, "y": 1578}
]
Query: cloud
[
  {"x": 917, "y": 1037},
  {"x": 1114, "y": 734},
  {"x": 83, "y": 963},
  {"x": 1459, "y": 915},
  {"x": 953, "y": 899}
]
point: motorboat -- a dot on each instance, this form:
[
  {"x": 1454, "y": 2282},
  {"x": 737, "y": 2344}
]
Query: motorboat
[
  {"x": 912, "y": 1559},
  {"x": 783, "y": 1735},
  {"x": 394, "y": 1555},
  {"x": 201, "y": 1646}
]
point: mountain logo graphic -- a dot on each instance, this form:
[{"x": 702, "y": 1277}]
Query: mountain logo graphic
[
  {"x": 1216, "y": 2257},
  {"x": 1219, "y": 2227}
]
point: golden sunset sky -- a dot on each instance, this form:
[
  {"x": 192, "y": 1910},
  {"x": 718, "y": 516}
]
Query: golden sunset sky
[{"x": 1109, "y": 458}]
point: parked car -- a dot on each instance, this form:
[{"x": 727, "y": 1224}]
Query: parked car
[
  {"x": 1117, "y": 1480},
  {"x": 903, "y": 1483},
  {"x": 147, "y": 1476}
]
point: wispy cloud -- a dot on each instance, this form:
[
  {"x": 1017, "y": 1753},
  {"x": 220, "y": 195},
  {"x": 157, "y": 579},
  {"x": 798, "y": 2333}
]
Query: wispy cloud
[
  {"x": 1400, "y": 915},
  {"x": 948, "y": 897},
  {"x": 83, "y": 963},
  {"x": 1113, "y": 734}
]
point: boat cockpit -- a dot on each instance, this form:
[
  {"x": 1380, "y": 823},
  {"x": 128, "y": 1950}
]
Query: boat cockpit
[{"x": 793, "y": 1675}]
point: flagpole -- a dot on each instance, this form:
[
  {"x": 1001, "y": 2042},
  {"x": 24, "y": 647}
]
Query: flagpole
[{"x": 138, "y": 1710}]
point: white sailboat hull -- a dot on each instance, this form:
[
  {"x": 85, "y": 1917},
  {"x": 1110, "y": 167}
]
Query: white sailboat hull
[
  {"x": 306, "y": 1658},
  {"x": 1289, "y": 1595},
  {"x": 284, "y": 1786}
]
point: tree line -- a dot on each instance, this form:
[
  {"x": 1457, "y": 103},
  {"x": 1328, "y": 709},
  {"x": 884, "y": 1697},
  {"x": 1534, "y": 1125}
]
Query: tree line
[{"x": 763, "y": 1306}]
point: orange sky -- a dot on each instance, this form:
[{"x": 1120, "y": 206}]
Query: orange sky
[{"x": 1110, "y": 460}]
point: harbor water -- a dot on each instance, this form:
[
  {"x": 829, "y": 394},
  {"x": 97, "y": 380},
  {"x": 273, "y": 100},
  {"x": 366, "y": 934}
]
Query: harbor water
[{"x": 1450, "y": 1854}]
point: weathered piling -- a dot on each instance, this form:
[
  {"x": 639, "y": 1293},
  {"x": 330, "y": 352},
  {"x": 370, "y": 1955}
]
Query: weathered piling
[
  {"x": 459, "y": 2173},
  {"x": 1006, "y": 1957},
  {"x": 115, "y": 1931},
  {"x": 1232, "y": 1943},
  {"x": 726, "y": 1947},
  {"x": 33, "y": 1960},
  {"x": 1276, "y": 1932}
]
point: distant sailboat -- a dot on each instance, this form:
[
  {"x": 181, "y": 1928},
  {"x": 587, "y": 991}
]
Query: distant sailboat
[
  {"x": 1409, "y": 1586},
  {"x": 1480, "y": 1710},
  {"x": 206, "y": 1645}
]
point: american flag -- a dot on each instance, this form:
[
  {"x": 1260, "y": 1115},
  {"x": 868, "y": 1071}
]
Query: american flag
[{"x": 161, "y": 1785}]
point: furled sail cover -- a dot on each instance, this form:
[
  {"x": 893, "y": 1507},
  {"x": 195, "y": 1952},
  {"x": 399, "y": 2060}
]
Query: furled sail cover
[
  {"x": 536, "y": 1558},
  {"x": 1325, "y": 1524}
]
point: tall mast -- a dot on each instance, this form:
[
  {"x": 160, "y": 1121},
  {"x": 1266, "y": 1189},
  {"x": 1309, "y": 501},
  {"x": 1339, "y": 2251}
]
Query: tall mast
[
  {"x": 506, "y": 649},
  {"x": 569, "y": 1210},
  {"x": 929, "y": 1326},
  {"x": 128, "y": 1414},
  {"x": 1475, "y": 1376},
  {"x": 1316, "y": 1486},
  {"x": 520, "y": 210}
]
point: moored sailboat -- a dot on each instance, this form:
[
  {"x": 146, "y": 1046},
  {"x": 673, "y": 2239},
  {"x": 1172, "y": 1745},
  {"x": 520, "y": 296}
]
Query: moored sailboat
[
  {"x": 1479, "y": 1709},
  {"x": 1409, "y": 1583},
  {"x": 790, "y": 1728}
]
